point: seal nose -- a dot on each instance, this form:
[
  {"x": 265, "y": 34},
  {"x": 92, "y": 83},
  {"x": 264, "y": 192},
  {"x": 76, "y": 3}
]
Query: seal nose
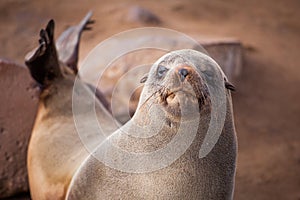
[{"x": 183, "y": 73}]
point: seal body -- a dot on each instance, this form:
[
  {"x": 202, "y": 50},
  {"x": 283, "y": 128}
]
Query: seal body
[
  {"x": 158, "y": 154},
  {"x": 56, "y": 149}
]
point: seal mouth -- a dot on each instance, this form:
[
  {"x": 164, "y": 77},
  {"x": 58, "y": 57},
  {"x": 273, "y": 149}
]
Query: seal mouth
[
  {"x": 170, "y": 94},
  {"x": 167, "y": 95},
  {"x": 174, "y": 97}
]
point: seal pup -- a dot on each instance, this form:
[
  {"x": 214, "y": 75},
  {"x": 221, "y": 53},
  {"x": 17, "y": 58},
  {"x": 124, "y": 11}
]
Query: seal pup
[
  {"x": 55, "y": 149},
  {"x": 163, "y": 151}
]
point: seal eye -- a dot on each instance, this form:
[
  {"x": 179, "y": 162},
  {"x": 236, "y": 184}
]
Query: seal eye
[{"x": 161, "y": 70}]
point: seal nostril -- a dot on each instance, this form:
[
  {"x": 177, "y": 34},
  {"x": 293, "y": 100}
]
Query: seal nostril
[{"x": 183, "y": 73}]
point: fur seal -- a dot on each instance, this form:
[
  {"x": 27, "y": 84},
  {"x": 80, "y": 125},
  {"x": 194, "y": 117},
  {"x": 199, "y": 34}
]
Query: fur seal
[
  {"x": 163, "y": 151},
  {"x": 55, "y": 150}
]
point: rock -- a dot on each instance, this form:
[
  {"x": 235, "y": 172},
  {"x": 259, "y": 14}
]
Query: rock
[
  {"x": 19, "y": 101},
  {"x": 228, "y": 54},
  {"x": 142, "y": 15},
  {"x": 121, "y": 80}
]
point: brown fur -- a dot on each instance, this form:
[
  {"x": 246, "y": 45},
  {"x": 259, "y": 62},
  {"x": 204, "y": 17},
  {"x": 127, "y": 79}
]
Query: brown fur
[{"x": 55, "y": 150}]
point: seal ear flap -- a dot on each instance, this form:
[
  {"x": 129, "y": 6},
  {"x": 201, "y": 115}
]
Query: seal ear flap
[
  {"x": 68, "y": 42},
  {"x": 229, "y": 86},
  {"x": 43, "y": 62},
  {"x": 144, "y": 78}
]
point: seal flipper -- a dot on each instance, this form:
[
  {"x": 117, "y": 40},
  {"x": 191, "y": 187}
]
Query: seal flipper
[
  {"x": 43, "y": 62},
  {"x": 68, "y": 42}
]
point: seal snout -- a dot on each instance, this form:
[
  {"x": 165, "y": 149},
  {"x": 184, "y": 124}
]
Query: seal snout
[{"x": 183, "y": 72}]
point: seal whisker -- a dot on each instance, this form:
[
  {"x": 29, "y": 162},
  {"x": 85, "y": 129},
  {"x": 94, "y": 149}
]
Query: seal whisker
[{"x": 148, "y": 98}]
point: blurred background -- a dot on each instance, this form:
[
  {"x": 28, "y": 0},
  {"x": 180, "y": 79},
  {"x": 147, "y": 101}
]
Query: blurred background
[{"x": 266, "y": 103}]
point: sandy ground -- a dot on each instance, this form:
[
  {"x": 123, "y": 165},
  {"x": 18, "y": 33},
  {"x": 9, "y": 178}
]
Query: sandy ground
[{"x": 266, "y": 105}]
